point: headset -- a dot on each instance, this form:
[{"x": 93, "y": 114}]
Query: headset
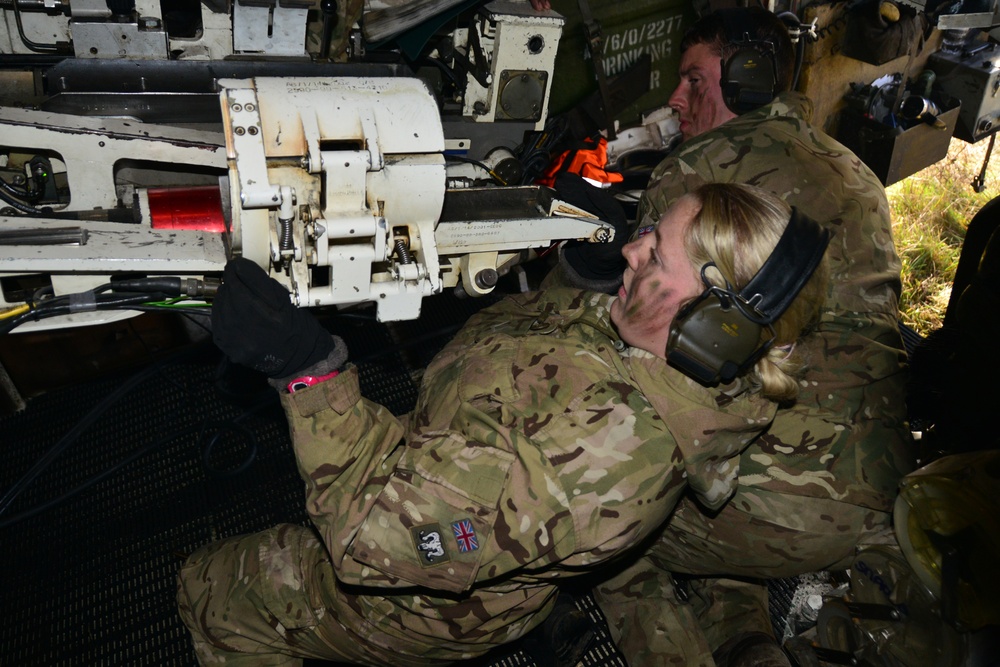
[
  {"x": 749, "y": 75},
  {"x": 717, "y": 336}
]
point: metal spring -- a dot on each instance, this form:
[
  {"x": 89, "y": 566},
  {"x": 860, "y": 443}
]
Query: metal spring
[
  {"x": 286, "y": 242},
  {"x": 403, "y": 252}
]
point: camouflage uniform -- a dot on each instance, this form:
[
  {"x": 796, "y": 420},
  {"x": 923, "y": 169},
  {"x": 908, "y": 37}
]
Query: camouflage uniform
[
  {"x": 348, "y": 12},
  {"x": 824, "y": 476},
  {"x": 534, "y": 453}
]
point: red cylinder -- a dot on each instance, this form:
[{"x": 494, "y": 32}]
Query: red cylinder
[{"x": 195, "y": 208}]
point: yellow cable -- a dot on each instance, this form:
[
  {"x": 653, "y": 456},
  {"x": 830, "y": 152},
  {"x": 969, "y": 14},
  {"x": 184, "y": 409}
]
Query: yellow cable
[{"x": 14, "y": 312}]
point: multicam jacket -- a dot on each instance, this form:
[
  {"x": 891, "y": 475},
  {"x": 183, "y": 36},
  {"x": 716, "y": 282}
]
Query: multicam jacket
[
  {"x": 533, "y": 453},
  {"x": 845, "y": 437}
]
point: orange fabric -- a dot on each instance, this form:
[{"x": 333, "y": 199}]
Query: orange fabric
[{"x": 587, "y": 162}]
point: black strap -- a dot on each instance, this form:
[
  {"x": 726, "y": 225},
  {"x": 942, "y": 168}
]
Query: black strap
[
  {"x": 595, "y": 43},
  {"x": 792, "y": 262}
]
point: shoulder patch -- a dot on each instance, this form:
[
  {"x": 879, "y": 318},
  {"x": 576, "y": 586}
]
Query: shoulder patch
[
  {"x": 429, "y": 544},
  {"x": 465, "y": 535}
]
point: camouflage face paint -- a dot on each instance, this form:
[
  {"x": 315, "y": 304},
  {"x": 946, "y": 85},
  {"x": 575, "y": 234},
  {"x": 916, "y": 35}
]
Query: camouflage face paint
[
  {"x": 658, "y": 280},
  {"x": 698, "y": 96}
]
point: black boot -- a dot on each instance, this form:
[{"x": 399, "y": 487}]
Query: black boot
[{"x": 563, "y": 638}]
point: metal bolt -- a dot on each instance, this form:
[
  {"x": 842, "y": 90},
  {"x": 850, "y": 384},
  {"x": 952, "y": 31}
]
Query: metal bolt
[
  {"x": 487, "y": 278},
  {"x": 239, "y": 131}
]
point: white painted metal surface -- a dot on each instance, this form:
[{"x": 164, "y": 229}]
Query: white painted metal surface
[{"x": 337, "y": 187}]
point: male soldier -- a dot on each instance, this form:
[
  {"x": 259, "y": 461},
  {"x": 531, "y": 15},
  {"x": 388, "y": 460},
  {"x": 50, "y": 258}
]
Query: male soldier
[{"x": 826, "y": 472}]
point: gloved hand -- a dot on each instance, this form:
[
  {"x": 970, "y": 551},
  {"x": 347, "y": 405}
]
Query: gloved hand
[
  {"x": 255, "y": 324},
  {"x": 594, "y": 262}
]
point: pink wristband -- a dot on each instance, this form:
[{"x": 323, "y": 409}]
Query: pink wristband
[{"x": 309, "y": 380}]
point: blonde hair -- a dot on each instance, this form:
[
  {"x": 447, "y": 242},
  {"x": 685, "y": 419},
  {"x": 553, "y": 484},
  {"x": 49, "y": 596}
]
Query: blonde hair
[{"x": 737, "y": 228}]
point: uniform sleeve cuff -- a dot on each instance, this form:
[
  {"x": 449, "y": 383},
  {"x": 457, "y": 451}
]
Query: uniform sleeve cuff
[
  {"x": 333, "y": 362},
  {"x": 340, "y": 393}
]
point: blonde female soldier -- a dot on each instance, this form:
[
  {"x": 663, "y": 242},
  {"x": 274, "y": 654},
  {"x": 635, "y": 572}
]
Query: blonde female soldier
[{"x": 551, "y": 438}]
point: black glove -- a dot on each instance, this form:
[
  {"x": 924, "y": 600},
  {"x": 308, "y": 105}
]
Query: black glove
[
  {"x": 600, "y": 262},
  {"x": 255, "y": 324}
]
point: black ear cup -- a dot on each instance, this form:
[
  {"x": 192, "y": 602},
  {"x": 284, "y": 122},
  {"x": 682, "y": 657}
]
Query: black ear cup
[
  {"x": 749, "y": 76},
  {"x": 712, "y": 339},
  {"x": 719, "y": 335}
]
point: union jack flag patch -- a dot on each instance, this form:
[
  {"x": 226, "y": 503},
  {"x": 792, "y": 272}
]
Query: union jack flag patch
[{"x": 465, "y": 535}]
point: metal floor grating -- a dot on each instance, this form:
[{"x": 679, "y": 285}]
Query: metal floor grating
[{"x": 90, "y": 580}]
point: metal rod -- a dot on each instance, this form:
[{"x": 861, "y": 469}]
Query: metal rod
[{"x": 54, "y": 236}]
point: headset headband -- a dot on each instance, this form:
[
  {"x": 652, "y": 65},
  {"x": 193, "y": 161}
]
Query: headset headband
[
  {"x": 738, "y": 36},
  {"x": 718, "y": 335},
  {"x": 786, "y": 271}
]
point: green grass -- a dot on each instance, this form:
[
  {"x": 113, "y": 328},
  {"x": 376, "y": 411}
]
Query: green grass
[{"x": 930, "y": 211}]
